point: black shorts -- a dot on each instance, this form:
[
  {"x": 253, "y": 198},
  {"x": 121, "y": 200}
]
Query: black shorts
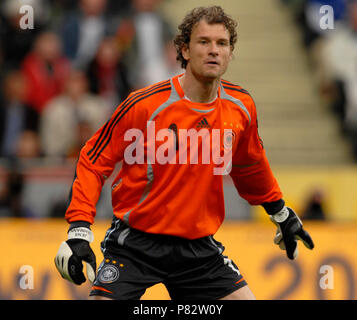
[{"x": 190, "y": 269}]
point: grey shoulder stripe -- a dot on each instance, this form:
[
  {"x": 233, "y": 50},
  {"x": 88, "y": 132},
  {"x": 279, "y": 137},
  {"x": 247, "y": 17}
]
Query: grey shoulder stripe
[
  {"x": 174, "y": 96},
  {"x": 203, "y": 111},
  {"x": 226, "y": 96}
]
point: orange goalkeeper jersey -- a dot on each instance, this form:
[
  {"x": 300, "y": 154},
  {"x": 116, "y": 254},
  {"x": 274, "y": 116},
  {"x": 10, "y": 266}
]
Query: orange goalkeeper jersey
[{"x": 173, "y": 154}]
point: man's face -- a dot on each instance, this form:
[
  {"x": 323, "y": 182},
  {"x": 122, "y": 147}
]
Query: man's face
[{"x": 209, "y": 51}]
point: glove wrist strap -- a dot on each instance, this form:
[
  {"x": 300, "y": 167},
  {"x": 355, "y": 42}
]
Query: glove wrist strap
[
  {"x": 281, "y": 216},
  {"x": 81, "y": 233}
]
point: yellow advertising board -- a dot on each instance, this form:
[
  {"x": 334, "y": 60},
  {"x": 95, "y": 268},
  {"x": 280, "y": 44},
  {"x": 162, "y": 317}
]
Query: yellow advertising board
[{"x": 28, "y": 247}]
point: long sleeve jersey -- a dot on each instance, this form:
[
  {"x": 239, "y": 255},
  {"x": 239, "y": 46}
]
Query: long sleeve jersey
[{"x": 174, "y": 153}]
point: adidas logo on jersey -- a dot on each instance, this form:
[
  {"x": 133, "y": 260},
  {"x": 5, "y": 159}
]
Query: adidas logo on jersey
[{"x": 203, "y": 124}]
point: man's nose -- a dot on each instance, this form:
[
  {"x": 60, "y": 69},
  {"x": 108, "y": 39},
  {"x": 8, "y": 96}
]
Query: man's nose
[{"x": 213, "y": 49}]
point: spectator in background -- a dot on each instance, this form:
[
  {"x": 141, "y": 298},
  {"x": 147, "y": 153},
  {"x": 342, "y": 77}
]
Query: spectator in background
[
  {"x": 15, "y": 116},
  {"x": 309, "y": 18},
  {"x": 172, "y": 66},
  {"x": 145, "y": 35},
  {"x": 336, "y": 64},
  {"x": 16, "y": 42},
  {"x": 315, "y": 206},
  {"x": 61, "y": 8},
  {"x": 83, "y": 30},
  {"x": 2, "y": 75},
  {"x": 11, "y": 193},
  {"x": 28, "y": 146},
  {"x": 46, "y": 70},
  {"x": 107, "y": 75},
  {"x": 69, "y": 119},
  {"x": 118, "y": 7}
]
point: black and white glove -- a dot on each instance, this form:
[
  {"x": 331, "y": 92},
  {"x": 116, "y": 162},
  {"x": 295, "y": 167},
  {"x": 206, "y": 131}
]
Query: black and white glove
[
  {"x": 72, "y": 252},
  {"x": 289, "y": 230}
]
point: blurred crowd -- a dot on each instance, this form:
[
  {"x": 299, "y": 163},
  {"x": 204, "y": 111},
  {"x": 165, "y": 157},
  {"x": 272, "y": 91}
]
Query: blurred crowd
[
  {"x": 63, "y": 78},
  {"x": 329, "y": 35}
]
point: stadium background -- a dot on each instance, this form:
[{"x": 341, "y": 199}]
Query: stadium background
[{"x": 309, "y": 142}]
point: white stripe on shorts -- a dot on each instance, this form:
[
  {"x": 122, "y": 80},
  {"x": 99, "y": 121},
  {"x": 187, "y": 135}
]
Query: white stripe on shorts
[{"x": 228, "y": 262}]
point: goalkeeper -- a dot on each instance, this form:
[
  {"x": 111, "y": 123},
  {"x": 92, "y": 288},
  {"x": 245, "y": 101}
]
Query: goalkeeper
[{"x": 166, "y": 211}]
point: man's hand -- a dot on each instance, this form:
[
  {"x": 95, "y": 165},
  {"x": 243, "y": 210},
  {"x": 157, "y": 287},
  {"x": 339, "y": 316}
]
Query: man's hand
[
  {"x": 289, "y": 231},
  {"x": 72, "y": 252}
]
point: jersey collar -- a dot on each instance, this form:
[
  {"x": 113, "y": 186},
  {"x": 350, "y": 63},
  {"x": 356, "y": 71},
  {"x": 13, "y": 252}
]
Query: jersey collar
[{"x": 179, "y": 89}]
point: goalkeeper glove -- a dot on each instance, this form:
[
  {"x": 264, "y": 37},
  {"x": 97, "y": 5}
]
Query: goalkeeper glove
[
  {"x": 72, "y": 252},
  {"x": 289, "y": 230}
]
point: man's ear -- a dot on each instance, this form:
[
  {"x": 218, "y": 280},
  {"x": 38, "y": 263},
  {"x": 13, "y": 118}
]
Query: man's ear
[
  {"x": 185, "y": 51},
  {"x": 231, "y": 55}
]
